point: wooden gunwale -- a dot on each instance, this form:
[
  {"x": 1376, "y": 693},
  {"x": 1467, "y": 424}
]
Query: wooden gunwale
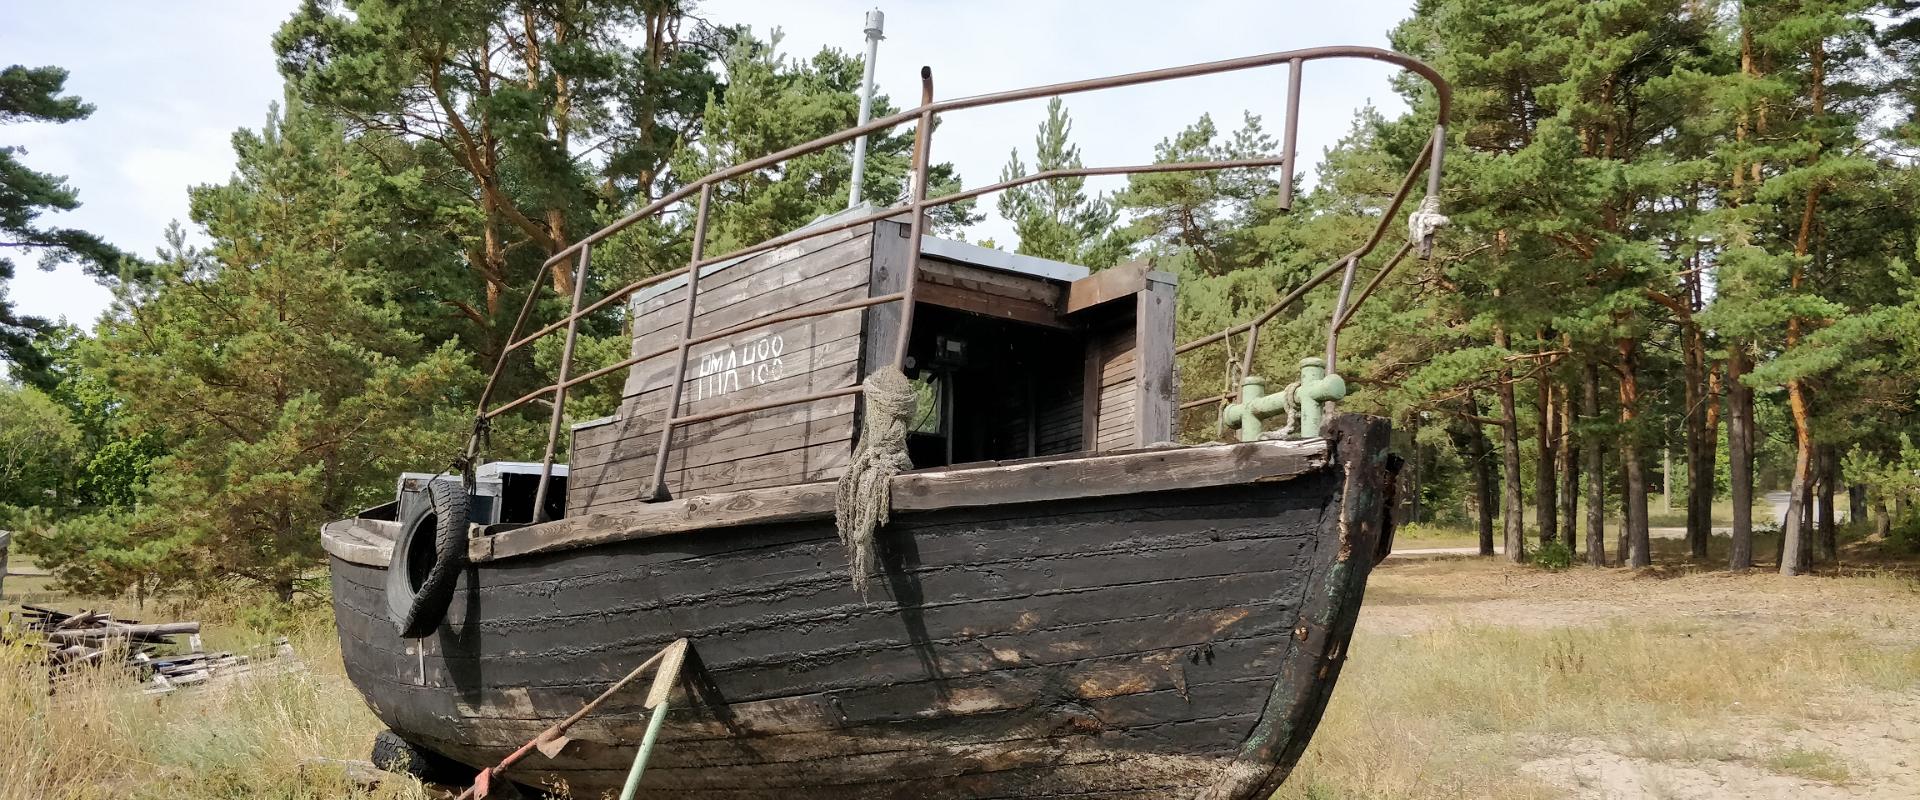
[{"x": 992, "y": 483}]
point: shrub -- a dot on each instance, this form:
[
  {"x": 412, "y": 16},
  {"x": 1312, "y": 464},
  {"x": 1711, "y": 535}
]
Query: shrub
[{"x": 1554, "y": 555}]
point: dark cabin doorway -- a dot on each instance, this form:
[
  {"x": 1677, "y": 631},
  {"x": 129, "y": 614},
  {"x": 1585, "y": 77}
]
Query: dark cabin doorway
[{"x": 993, "y": 389}]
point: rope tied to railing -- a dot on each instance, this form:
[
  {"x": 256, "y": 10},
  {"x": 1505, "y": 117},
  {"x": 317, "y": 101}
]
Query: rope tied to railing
[
  {"x": 863, "y": 499},
  {"x": 1424, "y": 222}
]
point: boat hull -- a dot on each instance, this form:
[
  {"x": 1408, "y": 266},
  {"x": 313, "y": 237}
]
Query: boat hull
[{"x": 1176, "y": 643}]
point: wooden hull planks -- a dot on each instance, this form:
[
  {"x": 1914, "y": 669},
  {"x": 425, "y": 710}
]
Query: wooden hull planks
[{"x": 1168, "y": 643}]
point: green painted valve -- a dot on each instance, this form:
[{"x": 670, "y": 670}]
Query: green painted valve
[
  {"x": 1316, "y": 388},
  {"x": 1305, "y": 398}
]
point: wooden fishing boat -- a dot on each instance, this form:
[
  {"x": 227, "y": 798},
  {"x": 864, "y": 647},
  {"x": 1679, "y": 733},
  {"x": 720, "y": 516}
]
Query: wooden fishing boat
[{"x": 1065, "y": 602}]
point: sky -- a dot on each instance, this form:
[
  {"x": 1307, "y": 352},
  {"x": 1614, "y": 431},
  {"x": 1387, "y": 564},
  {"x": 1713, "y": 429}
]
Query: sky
[{"x": 172, "y": 82}]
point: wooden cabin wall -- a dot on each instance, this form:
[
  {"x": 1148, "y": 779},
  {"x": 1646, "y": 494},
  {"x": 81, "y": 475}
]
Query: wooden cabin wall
[
  {"x": 612, "y": 464},
  {"x": 1110, "y": 366},
  {"x": 1130, "y": 370}
]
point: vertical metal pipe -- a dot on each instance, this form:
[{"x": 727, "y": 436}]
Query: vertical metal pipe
[
  {"x": 1246, "y": 360},
  {"x": 659, "y": 491},
  {"x": 922, "y": 142},
  {"x": 876, "y": 30},
  {"x": 560, "y": 393},
  {"x": 1292, "y": 136},
  {"x": 1226, "y": 390},
  {"x": 1339, "y": 311},
  {"x": 640, "y": 758},
  {"x": 1439, "y": 154}
]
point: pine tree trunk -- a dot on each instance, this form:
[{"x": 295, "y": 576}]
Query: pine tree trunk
[
  {"x": 1709, "y": 459},
  {"x": 1666, "y": 478},
  {"x": 1569, "y": 471},
  {"x": 1796, "y": 552},
  {"x": 1882, "y": 520},
  {"x": 1699, "y": 471},
  {"x": 1596, "y": 473},
  {"x": 1633, "y": 490},
  {"x": 1857, "y": 504},
  {"x": 1796, "y": 557},
  {"x": 1488, "y": 499},
  {"x": 1546, "y": 503},
  {"x": 1829, "y": 529},
  {"x": 1740, "y": 460},
  {"x": 283, "y": 590},
  {"x": 1513, "y": 526}
]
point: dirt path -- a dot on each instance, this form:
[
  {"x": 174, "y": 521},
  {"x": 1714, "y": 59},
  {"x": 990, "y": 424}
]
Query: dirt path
[{"x": 1866, "y": 746}]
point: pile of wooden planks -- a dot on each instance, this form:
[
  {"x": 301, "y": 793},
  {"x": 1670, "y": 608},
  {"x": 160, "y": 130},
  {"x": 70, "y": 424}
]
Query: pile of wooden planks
[{"x": 148, "y": 651}]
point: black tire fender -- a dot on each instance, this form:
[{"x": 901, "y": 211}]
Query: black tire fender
[{"x": 427, "y": 559}]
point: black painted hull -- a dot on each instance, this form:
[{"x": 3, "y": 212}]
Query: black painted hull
[{"x": 1167, "y": 645}]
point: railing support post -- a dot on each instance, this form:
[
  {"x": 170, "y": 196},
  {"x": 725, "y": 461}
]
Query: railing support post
[
  {"x": 659, "y": 491},
  {"x": 560, "y": 393},
  {"x": 922, "y": 141},
  {"x": 1292, "y": 137}
]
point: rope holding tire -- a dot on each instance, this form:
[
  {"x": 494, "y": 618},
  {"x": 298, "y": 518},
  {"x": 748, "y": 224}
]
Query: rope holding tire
[{"x": 427, "y": 560}]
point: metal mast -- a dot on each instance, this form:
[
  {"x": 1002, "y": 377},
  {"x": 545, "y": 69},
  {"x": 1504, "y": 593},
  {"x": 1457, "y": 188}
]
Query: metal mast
[{"x": 875, "y": 30}]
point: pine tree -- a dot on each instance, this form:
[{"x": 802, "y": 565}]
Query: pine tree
[
  {"x": 1056, "y": 219},
  {"x": 289, "y": 390},
  {"x": 35, "y": 94},
  {"x": 1210, "y": 217}
]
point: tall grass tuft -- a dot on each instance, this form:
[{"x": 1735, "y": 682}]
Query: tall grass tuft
[{"x": 93, "y": 734}]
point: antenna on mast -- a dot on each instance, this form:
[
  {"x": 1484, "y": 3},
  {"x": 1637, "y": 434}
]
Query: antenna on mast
[{"x": 875, "y": 30}]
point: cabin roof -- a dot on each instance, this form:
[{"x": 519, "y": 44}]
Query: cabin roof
[{"x": 951, "y": 250}]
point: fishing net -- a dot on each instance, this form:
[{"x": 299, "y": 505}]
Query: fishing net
[{"x": 863, "y": 501}]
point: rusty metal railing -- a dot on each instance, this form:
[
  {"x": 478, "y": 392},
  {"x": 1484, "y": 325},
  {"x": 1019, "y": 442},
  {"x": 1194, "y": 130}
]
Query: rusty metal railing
[{"x": 917, "y": 205}]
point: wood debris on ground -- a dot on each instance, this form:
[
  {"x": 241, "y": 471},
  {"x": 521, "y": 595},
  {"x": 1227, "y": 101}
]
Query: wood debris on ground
[{"x": 149, "y": 651}]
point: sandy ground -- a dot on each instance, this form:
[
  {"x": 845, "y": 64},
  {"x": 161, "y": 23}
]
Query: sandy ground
[{"x": 1879, "y": 749}]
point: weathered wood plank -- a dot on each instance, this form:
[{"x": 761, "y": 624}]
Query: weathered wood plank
[
  {"x": 998, "y": 307},
  {"x": 360, "y": 541},
  {"x": 888, "y": 275},
  {"x": 846, "y": 284},
  {"x": 807, "y": 463},
  {"x": 1112, "y": 283},
  {"x": 1093, "y": 476},
  {"x": 1155, "y": 394},
  {"x": 973, "y": 279},
  {"x": 756, "y": 277}
]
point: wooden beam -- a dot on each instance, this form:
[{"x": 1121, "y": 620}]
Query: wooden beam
[
  {"x": 1155, "y": 397},
  {"x": 1106, "y": 285},
  {"x": 1028, "y": 481},
  {"x": 1032, "y": 312},
  {"x": 888, "y": 275}
]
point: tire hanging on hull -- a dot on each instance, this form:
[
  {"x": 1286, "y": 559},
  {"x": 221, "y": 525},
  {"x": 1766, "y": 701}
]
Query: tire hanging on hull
[{"x": 427, "y": 559}]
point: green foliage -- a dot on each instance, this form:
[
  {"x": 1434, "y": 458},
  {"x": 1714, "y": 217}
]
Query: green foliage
[
  {"x": 1055, "y": 218},
  {"x": 39, "y": 448},
  {"x": 772, "y": 102},
  {"x": 33, "y": 94},
  {"x": 1553, "y": 556},
  {"x": 287, "y": 386},
  {"x": 1212, "y": 217}
]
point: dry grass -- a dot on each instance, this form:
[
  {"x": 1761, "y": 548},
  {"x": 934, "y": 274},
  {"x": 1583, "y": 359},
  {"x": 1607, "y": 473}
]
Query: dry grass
[
  {"x": 1475, "y": 679},
  {"x": 1420, "y": 535},
  {"x": 96, "y": 736},
  {"x": 1816, "y": 765}
]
